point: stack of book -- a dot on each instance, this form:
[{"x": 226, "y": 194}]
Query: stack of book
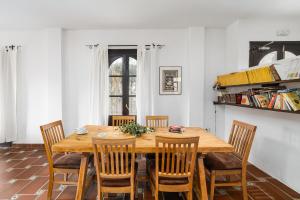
[
  {"x": 287, "y": 69},
  {"x": 273, "y": 98}
]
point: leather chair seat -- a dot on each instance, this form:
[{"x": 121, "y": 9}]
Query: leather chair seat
[
  {"x": 222, "y": 161},
  {"x": 167, "y": 181},
  {"x": 116, "y": 182},
  {"x": 68, "y": 161},
  {"x": 122, "y": 182}
]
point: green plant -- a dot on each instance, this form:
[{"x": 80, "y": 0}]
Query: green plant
[{"x": 134, "y": 129}]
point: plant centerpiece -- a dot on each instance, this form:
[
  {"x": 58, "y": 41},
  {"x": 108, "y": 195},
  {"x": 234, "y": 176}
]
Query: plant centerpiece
[{"x": 135, "y": 129}]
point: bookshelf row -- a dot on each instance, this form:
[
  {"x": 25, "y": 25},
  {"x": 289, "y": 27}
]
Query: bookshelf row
[
  {"x": 257, "y": 108},
  {"x": 262, "y": 83}
]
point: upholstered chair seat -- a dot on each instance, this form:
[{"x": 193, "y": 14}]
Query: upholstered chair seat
[
  {"x": 222, "y": 161},
  {"x": 116, "y": 182},
  {"x": 68, "y": 161},
  {"x": 166, "y": 180}
]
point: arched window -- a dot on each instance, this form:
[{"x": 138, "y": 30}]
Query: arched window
[{"x": 122, "y": 81}]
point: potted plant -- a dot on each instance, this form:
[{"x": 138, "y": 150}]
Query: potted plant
[{"x": 135, "y": 129}]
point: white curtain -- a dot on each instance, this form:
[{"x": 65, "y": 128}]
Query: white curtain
[
  {"x": 99, "y": 86},
  {"x": 147, "y": 66},
  {"x": 8, "y": 94}
]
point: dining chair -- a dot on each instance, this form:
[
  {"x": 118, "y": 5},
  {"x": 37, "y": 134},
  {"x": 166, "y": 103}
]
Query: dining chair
[
  {"x": 58, "y": 163},
  {"x": 174, "y": 165},
  {"x": 157, "y": 121},
  {"x": 118, "y": 120},
  {"x": 231, "y": 164},
  {"x": 114, "y": 161}
]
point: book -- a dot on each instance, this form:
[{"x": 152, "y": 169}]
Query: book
[
  {"x": 288, "y": 68},
  {"x": 288, "y": 105},
  {"x": 254, "y": 101},
  {"x": 260, "y": 74},
  {"x": 237, "y": 78},
  {"x": 278, "y": 102},
  {"x": 262, "y": 100},
  {"x": 285, "y": 105},
  {"x": 272, "y": 101},
  {"x": 245, "y": 100},
  {"x": 176, "y": 129},
  {"x": 275, "y": 73},
  {"x": 293, "y": 100}
]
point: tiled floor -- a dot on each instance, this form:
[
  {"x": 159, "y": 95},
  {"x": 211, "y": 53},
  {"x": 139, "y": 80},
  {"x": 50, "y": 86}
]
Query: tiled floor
[{"x": 23, "y": 176}]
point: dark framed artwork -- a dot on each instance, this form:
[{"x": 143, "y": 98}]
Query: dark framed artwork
[{"x": 170, "y": 80}]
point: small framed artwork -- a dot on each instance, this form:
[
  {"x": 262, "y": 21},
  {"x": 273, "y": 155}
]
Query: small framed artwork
[{"x": 170, "y": 80}]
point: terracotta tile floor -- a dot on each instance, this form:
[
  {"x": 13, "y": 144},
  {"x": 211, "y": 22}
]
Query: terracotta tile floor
[{"x": 24, "y": 176}]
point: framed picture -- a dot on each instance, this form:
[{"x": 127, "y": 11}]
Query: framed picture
[{"x": 170, "y": 80}]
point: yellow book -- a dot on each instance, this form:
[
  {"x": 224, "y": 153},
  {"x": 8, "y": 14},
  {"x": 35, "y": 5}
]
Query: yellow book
[
  {"x": 260, "y": 75},
  {"x": 237, "y": 78},
  {"x": 293, "y": 99}
]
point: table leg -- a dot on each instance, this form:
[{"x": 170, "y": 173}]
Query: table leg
[
  {"x": 202, "y": 178},
  {"x": 82, "y": 176}
]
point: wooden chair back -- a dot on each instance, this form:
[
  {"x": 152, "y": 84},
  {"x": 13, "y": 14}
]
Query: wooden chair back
[
  {"x": 157, "y": 121},
  {"x": 114, "y": 158},
  {"x": 241, "y": 138},
  {"x": 52, "y": 133},
  {"x": 118, "y": 120},
  {"x": 177, "y": 156}
]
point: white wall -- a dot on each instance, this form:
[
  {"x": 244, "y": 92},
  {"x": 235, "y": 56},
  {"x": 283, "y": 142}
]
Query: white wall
[
  {"x": 214, "y": 65},
  {"x": 54, "y": 71},
  {"x": 34, "y": 103},
  {"x": 175, "y": 53},
  {"x": 54, "y": 66},
  {"x": 195, "y": 82},
  {"x": 276, "y": 146}
]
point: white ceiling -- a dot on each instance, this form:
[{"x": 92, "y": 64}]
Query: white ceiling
[{"x": 81, "y": 14}]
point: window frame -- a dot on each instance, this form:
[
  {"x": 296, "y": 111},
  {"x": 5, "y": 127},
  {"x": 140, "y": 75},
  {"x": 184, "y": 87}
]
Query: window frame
[
  {"x": 255, "y": 55},
  {"x": 126, "y": 54}
]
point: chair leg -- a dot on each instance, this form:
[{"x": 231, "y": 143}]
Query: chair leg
[
  {"x": 66, "y": 177},
  {"x": 244, "y": 187},
  {"x": 156, "y": 194},
  {"x": 99, "y": 195},
  {"x": 190, "y": 195},
  {"x": 212, "y": 184},
  {"x": 50, "y": 185},
  {"x": 132, "y": 193}
]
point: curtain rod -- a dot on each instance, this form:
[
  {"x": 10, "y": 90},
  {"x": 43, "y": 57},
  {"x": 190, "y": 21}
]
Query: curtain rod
[
  {"x": 122, "y": 45},
  {"x": 12, "y": 46}
]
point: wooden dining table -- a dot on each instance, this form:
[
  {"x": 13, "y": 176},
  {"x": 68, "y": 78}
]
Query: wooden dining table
[{"x": 208, "y": 142}]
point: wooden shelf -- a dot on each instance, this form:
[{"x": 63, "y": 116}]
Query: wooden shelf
[
  {"x": 264, "y": 83},
  {"x": 245, "y": 106}
]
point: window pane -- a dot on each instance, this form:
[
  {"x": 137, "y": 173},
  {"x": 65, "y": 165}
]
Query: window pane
[
  {"x": 115, "y": 85},
  {"x": 132, "y": 89},
  {"x": 269, "y": 58},
  {"x": 288, "y": 54},
  {"x": 132, "y": 106},
  {"x": 132, "y": 66},
  {"x": 115, "y": 105},
  {"x": 116, "y": 67}
]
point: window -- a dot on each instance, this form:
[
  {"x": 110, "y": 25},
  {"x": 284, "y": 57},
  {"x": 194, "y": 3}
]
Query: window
[
  {"x": 267, "y": 52},
  {"x": 122, "y": 81}
]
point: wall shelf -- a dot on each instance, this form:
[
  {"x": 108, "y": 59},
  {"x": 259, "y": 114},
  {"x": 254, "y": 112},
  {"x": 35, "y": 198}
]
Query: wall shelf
[
  {"x": 245, "y": 106},
  {"x": 264, "y": 83}
]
